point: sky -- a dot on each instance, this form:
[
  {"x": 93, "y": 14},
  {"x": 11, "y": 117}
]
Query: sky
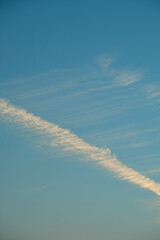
[{"x": 79, "y": 120}]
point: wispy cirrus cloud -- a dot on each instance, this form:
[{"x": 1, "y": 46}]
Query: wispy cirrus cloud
[
  {"x": 153, "y": 92},
  {"x": 152, "y": 171},
  {"x": 128, "y": 78},
  {"x": 102, "y": 75},
  {"x": 125, "y": 137},
  {"x": 68, "y": 141}
]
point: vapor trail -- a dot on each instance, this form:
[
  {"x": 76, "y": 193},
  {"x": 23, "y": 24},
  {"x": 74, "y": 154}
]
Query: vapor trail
[{"x": 69, "y": 141}]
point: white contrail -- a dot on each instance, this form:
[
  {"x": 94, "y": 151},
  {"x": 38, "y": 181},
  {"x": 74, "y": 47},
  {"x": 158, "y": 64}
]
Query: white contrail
[{"x": 69, "y": 141}]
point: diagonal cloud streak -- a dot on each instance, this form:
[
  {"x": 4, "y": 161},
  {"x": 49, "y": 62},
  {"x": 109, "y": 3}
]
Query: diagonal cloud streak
[{"x": 69, "y": 141}]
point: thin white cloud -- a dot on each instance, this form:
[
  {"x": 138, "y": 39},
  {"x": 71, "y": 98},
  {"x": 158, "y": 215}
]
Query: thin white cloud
[
  {"x": 69, "y": 141},
  {"x": 155, "y": 94},
  {"x": 104, "y": 63},
  {"x": 128, "y": 78},
  {"x": 152, "y": 171},
  {"x": 153, "y": 91},
  {"x": 133, "y": 145},
  {"x": 100, "y": 76}
]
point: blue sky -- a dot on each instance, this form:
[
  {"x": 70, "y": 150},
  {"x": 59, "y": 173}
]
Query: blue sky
[{"x": 89, "y": 70}]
